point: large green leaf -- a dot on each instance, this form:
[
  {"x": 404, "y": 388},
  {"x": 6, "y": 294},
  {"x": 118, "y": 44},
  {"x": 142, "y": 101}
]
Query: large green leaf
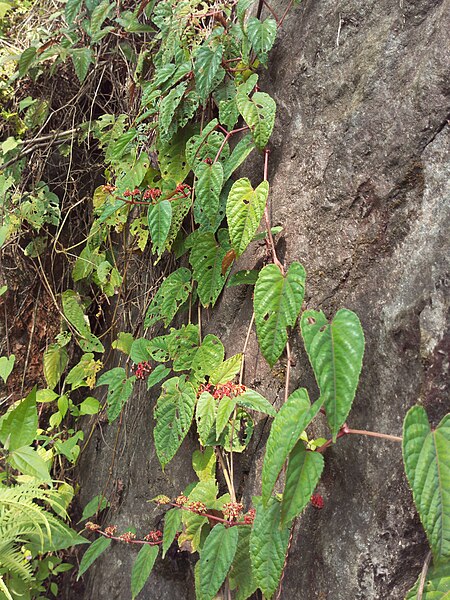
[
  {"x": 277, "y": 303},
  {"x": 216, "y": 558},
  {"x": 240, "y": 152},
  {"x": 142, "y": 567},
  {"x": 268, "y": 546},
  {"x": 207, "y": 193},
  {"x": 261, "y": 34},
  {"x": 27, "y": 460},
  {"x": 259, "y": 114},
  {"x": 224, "y": 412},
  {"x": 207, "y": 358},
  {"x": 55, "y": 361},
  {"x": 172, "y": 293},
  {"x": 81, "y": 58},
  {"x": 74, "y": 313},
  {"x": 437, "y": 584},
  {"x": 207, "y": 70},
  {"x": 119, "y": 390},
  {"x": 159, "y": 220},
  {"x": 254, "y": 401},
  {"x": 172, "y": 525},
  {"x": 292, "y": 419},
  {"x": 169, "y": 105},
  {"x": 172, "y": 159},
  {"x": 182, "y": 345},
  {"x": 241, "y": 574},
  {"x": 206, "y": 260},
  {"x": 71, "y": 10},
  {"x": 205, "y": 415},
  {"x": 245, "y": 207},
  {"x": 18, "y": 426},
  {"x": 92, "y": 553},
  {"x": 426, "y": 454},
  {"x": 303, "y": 473},
  {"x": 26, "y": 60},
  {"x": 227, "y": 370},
  {"x": 173, "y": 413},
  {"x": 99, "y": 15},
  {"x": 335, "y": 352}
]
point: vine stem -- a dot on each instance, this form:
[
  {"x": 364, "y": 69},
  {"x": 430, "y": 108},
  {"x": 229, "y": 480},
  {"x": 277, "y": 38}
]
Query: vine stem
[
  {"x": 119, "y": 539},
  {"x": 267, "y": 218},
  {"x": 345, "y": 430},
  {"x": 228, "y": 480},
  {"x": 423, "y": 576},
  {"x": 208, "y": 516}
]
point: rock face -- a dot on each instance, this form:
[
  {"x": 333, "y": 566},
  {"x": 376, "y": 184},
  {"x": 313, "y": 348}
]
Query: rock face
[{"x": 359, "y": 173}]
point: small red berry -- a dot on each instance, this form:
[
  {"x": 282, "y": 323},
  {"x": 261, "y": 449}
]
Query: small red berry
[{"x": 317, "y": 501}]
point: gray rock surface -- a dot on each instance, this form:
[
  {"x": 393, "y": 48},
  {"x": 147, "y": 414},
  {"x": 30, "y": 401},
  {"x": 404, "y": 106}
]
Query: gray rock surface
[{"x": 359, "y": 174}]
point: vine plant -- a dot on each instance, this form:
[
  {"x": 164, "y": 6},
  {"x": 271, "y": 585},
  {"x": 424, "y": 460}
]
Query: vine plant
[{"x": 169, "y": 182}]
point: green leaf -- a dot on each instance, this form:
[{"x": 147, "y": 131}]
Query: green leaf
[
  {"x": 207, "y": 70},
  {"x": 172, "y": 158},
  {"x": 207, "y": 358},
  {"x": 206, "y": 260},
  {"x": 261, "y": 35},
  {"x": 159, "y": 220},
  {"x": 182, "y": 346},
  {"x": 55, "y": 361},
  {"x": 426, "y": 454},
  {"x": 259, "y": 114},
  {"x": 335, "y": 352},
  {"x": 172, "y": 525},
  {"x": 99, "y": 15},
  {"x": 292, "y": 419},
  {"x": 303, "y": 474},
  {"x": 89, "y": 406},
  {"x": 224, "y": 411},
  {"x": 158, "y": 374},
  {"x": 241, "y": 151},
  {"x": 5, "y": 7},
  {"x": 123, "y": 343},
  {"x": 29, "y": 462},
  {"x": 437, "y": 584},
  {"x": 207, "y": 193},
  {"x": 204, "y": 464},
  {"x": 247, "y": 277},
  {"x": 71, "y": 10},
  {"x": 245, "y": 207},
  {"x": 18, "y": 426},
  {"x": 254, "y": 401},
  {"x": 81, "y": 58},
  {"x": 92, "y": 553},
  {"x": 74, "y": 313},
  {"x": 171, "y": 295},
  {"x": 26, "y": 60},
  {"x": 169, "y": 105},
  {"x": 119, "y": 390},
  {"x": 142, "y": 568},
  {"x": 277, "y": 303},
  {"x": 116, "y": 148},
  {"x": 241, "y": 573},
  {"x": 173, "y": 413},
  {"x": 140, "y": 350},
  {"x": 227, "y": 370},
  {"x": 205, "y": 415},
  {"x": 216, "y": 558},
  {"x": 94, "y": 506},
  {"x": 268, "y": 546},
  {"x": 6, "y": 366}
]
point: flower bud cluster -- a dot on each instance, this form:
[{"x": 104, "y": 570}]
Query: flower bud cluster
[
  {"x": 232, "y": 510},
  {"x": 154, "y": 536},
  {"x": 142, "y": 369},
  {"x": 219, "y": 391}
]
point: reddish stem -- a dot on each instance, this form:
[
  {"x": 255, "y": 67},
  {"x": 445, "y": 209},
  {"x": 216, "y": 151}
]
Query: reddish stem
[
  {"x": 119, "y": 539},
  {"x": 345, "y": 430},
  {"x": 208, "y": 516}
]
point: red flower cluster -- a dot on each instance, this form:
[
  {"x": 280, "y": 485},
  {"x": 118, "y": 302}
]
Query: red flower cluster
[
  {"x": 183, "y": 188},
  {"x": 154, "y": 536},
  {"x": 181, "y": 500},
  {"x": 127, "y": 537},
  {"x": 250, "y": 517},
  {"x": 197, "y": 507},
  {"x": 135, "y": 192},
  {"x": 111, "y": 530},
  {"x": 92, "y": 526},
  {"x": 232, "y": 510},
  {"x": 142, "y": 370},
  {"x": 223, "y": 389},
  {"x": 151, "y": 194},
  {"x": 317, "y": 501}
]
